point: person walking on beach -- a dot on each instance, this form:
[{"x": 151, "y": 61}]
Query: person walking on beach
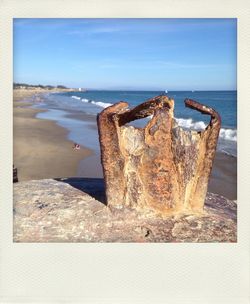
[{"x": 76, "y": 146}]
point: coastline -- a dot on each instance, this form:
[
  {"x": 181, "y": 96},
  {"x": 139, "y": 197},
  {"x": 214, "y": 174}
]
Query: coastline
[
  {"x": 41, "y": 147},
  {"x": 42, "y": 150}
]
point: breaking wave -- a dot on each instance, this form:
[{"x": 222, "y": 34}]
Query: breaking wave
[
  {"x": 189, "y": 123},
  {"x": 227, "y": 134},
  {"x": 76, "y": 97},
  {"x": 102, "y": 104},
  {"x": 85, "y": 100},
  {"x": 97, "y": 103}
]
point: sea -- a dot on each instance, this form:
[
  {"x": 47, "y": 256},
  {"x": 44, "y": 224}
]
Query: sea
[{"x": 62, "y": 106}]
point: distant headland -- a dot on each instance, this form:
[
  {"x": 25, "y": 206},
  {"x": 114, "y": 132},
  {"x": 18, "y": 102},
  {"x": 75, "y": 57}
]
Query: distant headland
[{"x": 40, "y": 87}]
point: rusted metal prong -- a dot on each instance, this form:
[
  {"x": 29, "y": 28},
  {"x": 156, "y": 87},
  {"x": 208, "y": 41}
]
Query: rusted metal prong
[
  {"x": 145, "y": 109},
  {"x": 192, "y": 104},
  {"x": 160, "y": 167}
]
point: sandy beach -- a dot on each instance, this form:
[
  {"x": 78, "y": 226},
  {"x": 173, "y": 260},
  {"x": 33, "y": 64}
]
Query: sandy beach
[{"x": 41, "y": 148}]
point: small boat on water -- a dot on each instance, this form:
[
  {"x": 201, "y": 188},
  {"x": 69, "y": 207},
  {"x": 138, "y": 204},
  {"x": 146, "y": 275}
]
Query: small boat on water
[{"x": 166, "y": 91}]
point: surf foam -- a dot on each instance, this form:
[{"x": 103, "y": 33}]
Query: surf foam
[
  {"x": 227, "y": 134},
  {"x": 97, "y": 103},
  {"x": 75, "y": 97},
  {"x": 102, "y": 104}
]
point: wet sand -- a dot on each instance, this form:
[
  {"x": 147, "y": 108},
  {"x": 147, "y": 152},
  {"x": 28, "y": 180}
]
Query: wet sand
[
  {"x": 223, "y": 178},
  {"x": 41, "y": 148}
]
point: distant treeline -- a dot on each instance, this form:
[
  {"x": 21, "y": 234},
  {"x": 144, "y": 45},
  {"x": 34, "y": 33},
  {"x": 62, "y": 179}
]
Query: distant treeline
[{"x": 26, "y": 86}]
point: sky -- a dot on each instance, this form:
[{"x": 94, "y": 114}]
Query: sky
[{"x": 130, "y": 54}]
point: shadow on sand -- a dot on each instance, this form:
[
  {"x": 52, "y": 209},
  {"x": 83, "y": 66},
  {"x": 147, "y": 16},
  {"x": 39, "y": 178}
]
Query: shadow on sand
[{"x": 92, "y": 186}]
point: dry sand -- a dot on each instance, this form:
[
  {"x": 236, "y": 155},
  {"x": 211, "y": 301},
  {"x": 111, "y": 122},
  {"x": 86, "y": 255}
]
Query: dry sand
[{"x": 41, "y": 148}]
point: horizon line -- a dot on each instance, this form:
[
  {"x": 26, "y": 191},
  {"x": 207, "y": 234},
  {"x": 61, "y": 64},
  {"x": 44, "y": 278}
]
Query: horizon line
[{"x": 124, "y": 89}]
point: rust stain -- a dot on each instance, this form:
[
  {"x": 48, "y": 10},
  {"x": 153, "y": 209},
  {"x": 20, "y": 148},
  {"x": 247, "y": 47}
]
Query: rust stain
[{"x": 161, "y": 166}]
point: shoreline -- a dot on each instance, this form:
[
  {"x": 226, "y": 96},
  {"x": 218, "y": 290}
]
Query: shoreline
[
  {"x": 41, "y": 148},
  {"x": 223, "y": 179}
]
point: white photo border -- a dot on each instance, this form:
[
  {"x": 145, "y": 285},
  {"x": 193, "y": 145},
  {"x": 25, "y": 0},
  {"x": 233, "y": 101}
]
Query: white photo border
[{"x": 124, "y": 273}]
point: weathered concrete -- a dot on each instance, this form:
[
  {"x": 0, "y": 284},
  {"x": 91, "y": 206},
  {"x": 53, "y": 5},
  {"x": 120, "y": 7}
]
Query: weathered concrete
[
  {"x": 57, "y": 211},
  {"x": 160, "y": 167}
]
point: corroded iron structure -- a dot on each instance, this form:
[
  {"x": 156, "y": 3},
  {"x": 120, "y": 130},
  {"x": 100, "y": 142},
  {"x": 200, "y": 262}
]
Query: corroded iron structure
[{"x": 161, "y": 166}]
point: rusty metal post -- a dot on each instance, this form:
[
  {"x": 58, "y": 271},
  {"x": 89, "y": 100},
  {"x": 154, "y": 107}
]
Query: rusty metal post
[{"x": 161, "y": 166}]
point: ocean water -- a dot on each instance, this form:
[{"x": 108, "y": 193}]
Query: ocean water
[{"x": 93, "y": 102}]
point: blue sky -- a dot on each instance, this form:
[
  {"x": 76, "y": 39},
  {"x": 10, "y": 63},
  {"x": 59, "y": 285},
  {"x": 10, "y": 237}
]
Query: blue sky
[{"x": 145, "y": 54}]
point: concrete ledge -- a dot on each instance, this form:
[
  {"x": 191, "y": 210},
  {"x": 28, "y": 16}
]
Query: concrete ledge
[{"x": 74, "y": 210}]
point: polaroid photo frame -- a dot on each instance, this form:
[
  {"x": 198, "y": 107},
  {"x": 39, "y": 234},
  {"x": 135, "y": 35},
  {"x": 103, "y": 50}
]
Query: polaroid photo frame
[{"x": 123, "y": 273}]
